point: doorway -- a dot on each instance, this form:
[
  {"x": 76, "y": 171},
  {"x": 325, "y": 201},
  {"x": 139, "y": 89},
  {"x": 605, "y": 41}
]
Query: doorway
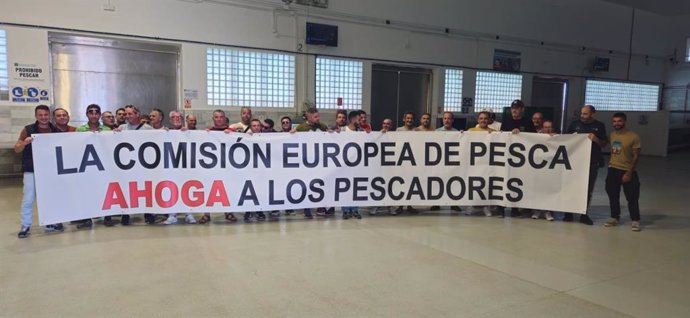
[
  {"x": 396, "y": 90},
  {"x": 549, "y": 95},
  {"x": 112, "y": 73}
]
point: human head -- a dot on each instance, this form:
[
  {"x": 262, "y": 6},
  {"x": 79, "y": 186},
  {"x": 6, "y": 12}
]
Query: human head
[
  {"x": 362, "y": 117},
  {"x": 120, "y": 116},
  {"x": 219, "y": 119},
  {"x": 425, "y": 120},
  {"x": 341, "y": 118},
  {"x": 268, "y": 125},
  {"x": 483, "y": 119},
  {"x": 255, "y": 125},
  {"x": 93, "y": 113},
  {"x": 408, "y": 119},
  {"x": 448, "y": 119},
  {"x": 516, "y": 108},
  {"x": 246, "y": 115},
  {"x": 285, "y": 123},
  {"x": 313, "y": 117},
  {"x": 175, "y": 119},
  {"x": 132, "y": 114},
  {"x": 587, "y": 114},
  {"x": 538, "y": 120},
  {"x": 618, "y": 121},
  {"x": 156, "y": 117},
  {"x": 354, "y": 118},
  {"x": 42, "y": 114},
  {"x": 61, "y": 116},
  {"x": 108, "y": 118},
  {"x": 191, "y": 121},
  {"x": 547, "y": 127},
  {"x": 387, "y": 124}
]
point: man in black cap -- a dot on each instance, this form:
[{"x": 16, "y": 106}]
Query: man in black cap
[{"x": 516, "y": 123}]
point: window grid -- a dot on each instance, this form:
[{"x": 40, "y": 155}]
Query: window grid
[
  {"x": 335, "y": 79},
  {"x": 496, "y": 90},
  {"x": 452, "y": 95},
  {"x": 4, "y": 77},
  {"x": 620, "y": 96},
  {"x": 250, "y": 78}
]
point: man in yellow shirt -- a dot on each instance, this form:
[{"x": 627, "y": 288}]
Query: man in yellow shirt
[
  {"x": 482, "y": 122},
  {"x": 625, "y": 153}
]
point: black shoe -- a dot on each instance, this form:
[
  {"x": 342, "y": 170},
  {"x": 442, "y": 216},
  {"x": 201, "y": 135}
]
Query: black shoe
[
  {"x": 108, "y": 221},
  {"x": 85, "y": 224},
  {"x": 346, "y": 215},
  {"x": 59, "y": 227},
  {"x": 260, "y": 216},
  {"x": 356, "y": 215},
  {"x": 149, "y": 218},
  {"x": 399, "y": 210},
  {"x": 24, "y": 232},
  {"x": 568, "y": 217},
  {"x": 456, "y": 208},
  {"x": 289, "y": 212},
  {"x": 411, "y": 210},
  {"x": 247, "y": 216},
  {"x": 330, "y": 212},
  {"x": 584, "y": 219},
  {"x": 124, "y": 220},
  {"x": 435, "y": 208}
]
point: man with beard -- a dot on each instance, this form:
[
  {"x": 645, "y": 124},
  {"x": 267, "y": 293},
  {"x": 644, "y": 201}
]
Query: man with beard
[{"x": 190, "y": 120}]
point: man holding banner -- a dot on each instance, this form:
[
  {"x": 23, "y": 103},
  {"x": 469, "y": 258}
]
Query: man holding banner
[{"x": 23, "y": 146}]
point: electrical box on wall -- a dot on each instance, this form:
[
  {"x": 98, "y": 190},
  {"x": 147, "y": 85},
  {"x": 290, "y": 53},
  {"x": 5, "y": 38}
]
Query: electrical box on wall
[{"x": 322, "y": 34}]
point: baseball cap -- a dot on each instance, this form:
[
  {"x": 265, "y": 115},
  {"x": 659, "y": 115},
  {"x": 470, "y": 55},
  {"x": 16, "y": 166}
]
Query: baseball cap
[{"x": 517, "y": 103}]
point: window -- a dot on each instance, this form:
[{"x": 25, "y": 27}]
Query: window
[
  {"x": 452, "y": 95},
  {"x": 619, "y": 96},
  {"x": 338, "y": 82},
  {"x": 250, "y": 78},
  {"x": 4, "y": 78},
  {"x": 496, "y": 90},
  {"x": 687, "y": 51}
]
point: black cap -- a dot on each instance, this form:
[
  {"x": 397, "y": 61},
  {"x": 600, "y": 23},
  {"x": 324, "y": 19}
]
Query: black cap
[{"x": 517, "y": 103}]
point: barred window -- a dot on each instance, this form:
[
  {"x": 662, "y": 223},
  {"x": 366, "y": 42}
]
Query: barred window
[
  {"x": 452, "y": 95},
  {"x": 338, "y": 80},
  {"x": 250, "y": 78},
  {"x": 496, "y": 90},
  {"x": 620, "y": 96},
  {"x": 4, "y": 78}
]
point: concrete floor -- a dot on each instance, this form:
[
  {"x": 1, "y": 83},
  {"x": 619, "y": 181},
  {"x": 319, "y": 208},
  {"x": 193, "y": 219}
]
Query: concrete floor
[{"x": 431, "y": 265}]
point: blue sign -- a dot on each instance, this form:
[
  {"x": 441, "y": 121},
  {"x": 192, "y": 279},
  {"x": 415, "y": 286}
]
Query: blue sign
[
  {"x": 17, "y": 92},
  {"x": 44, "y": 93},
  {"x": 32, "y": 91}
]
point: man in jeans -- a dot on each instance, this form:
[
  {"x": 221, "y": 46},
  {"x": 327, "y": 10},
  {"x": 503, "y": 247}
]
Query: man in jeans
[
  {"x": 625, "y": 153},
  {"x": 23, "y": 146},
  {"x": 596, "y": 132}
]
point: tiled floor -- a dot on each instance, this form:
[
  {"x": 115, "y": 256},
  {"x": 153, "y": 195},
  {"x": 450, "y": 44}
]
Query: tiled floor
[{"x": 438, "y": 264}]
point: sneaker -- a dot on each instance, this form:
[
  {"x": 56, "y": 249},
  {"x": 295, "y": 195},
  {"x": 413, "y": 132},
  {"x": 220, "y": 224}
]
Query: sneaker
[
  {"x": 190, "y": 219},
  {"x": 487, "y": 211},
  {"x": 85, "y": 224},
  {"x": 372, "y": 210},
  {"x": 150, "y": 218},
  {"x": 247, "y": 216},
  {"x": 108, "y": 221},
  {"x": 346, "y": 215},
  {"x": 635, "y": 226},
  {"x": 330, "y": 211},
  {"x": 125, "y": 220},
  {"x": 467, "y": 212},
  {"x": 50, "y": 228},
  {"x": 611, "y": 222},
  {"x": 260, "y": 216},
  {"x": 172, "y": 219},
  {"x": 399, "y": 210},
  {"x": 274, "y": 214},
  {"x": 24, "y": 232},
  {"x": 321, "y": 212},
  {"x": 548, "y": 216},
  {"x": 584, "y": 219},
  {"x": 411, "y": 210},
  {"x": 456, "y": 208},
  {"x": 535, "y": 214},
  {"x": 55, "y": 228},
  {"x": 435, "y": 208},
  {"x": 356, "y": 215},
  {"x": 289, "y": 212}
]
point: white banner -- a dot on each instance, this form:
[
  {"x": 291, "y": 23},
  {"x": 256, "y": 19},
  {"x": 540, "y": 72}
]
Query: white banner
[{"x": 84, "y": 175}]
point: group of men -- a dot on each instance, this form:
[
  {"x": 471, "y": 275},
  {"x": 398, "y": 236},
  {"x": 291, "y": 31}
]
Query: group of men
[{"x": 625, "y": 151}]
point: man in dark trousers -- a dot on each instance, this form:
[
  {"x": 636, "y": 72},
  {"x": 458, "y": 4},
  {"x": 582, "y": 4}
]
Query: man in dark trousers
[
  {"x": 516, "y": 124},
  {"x": 596, "y": 132}
]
